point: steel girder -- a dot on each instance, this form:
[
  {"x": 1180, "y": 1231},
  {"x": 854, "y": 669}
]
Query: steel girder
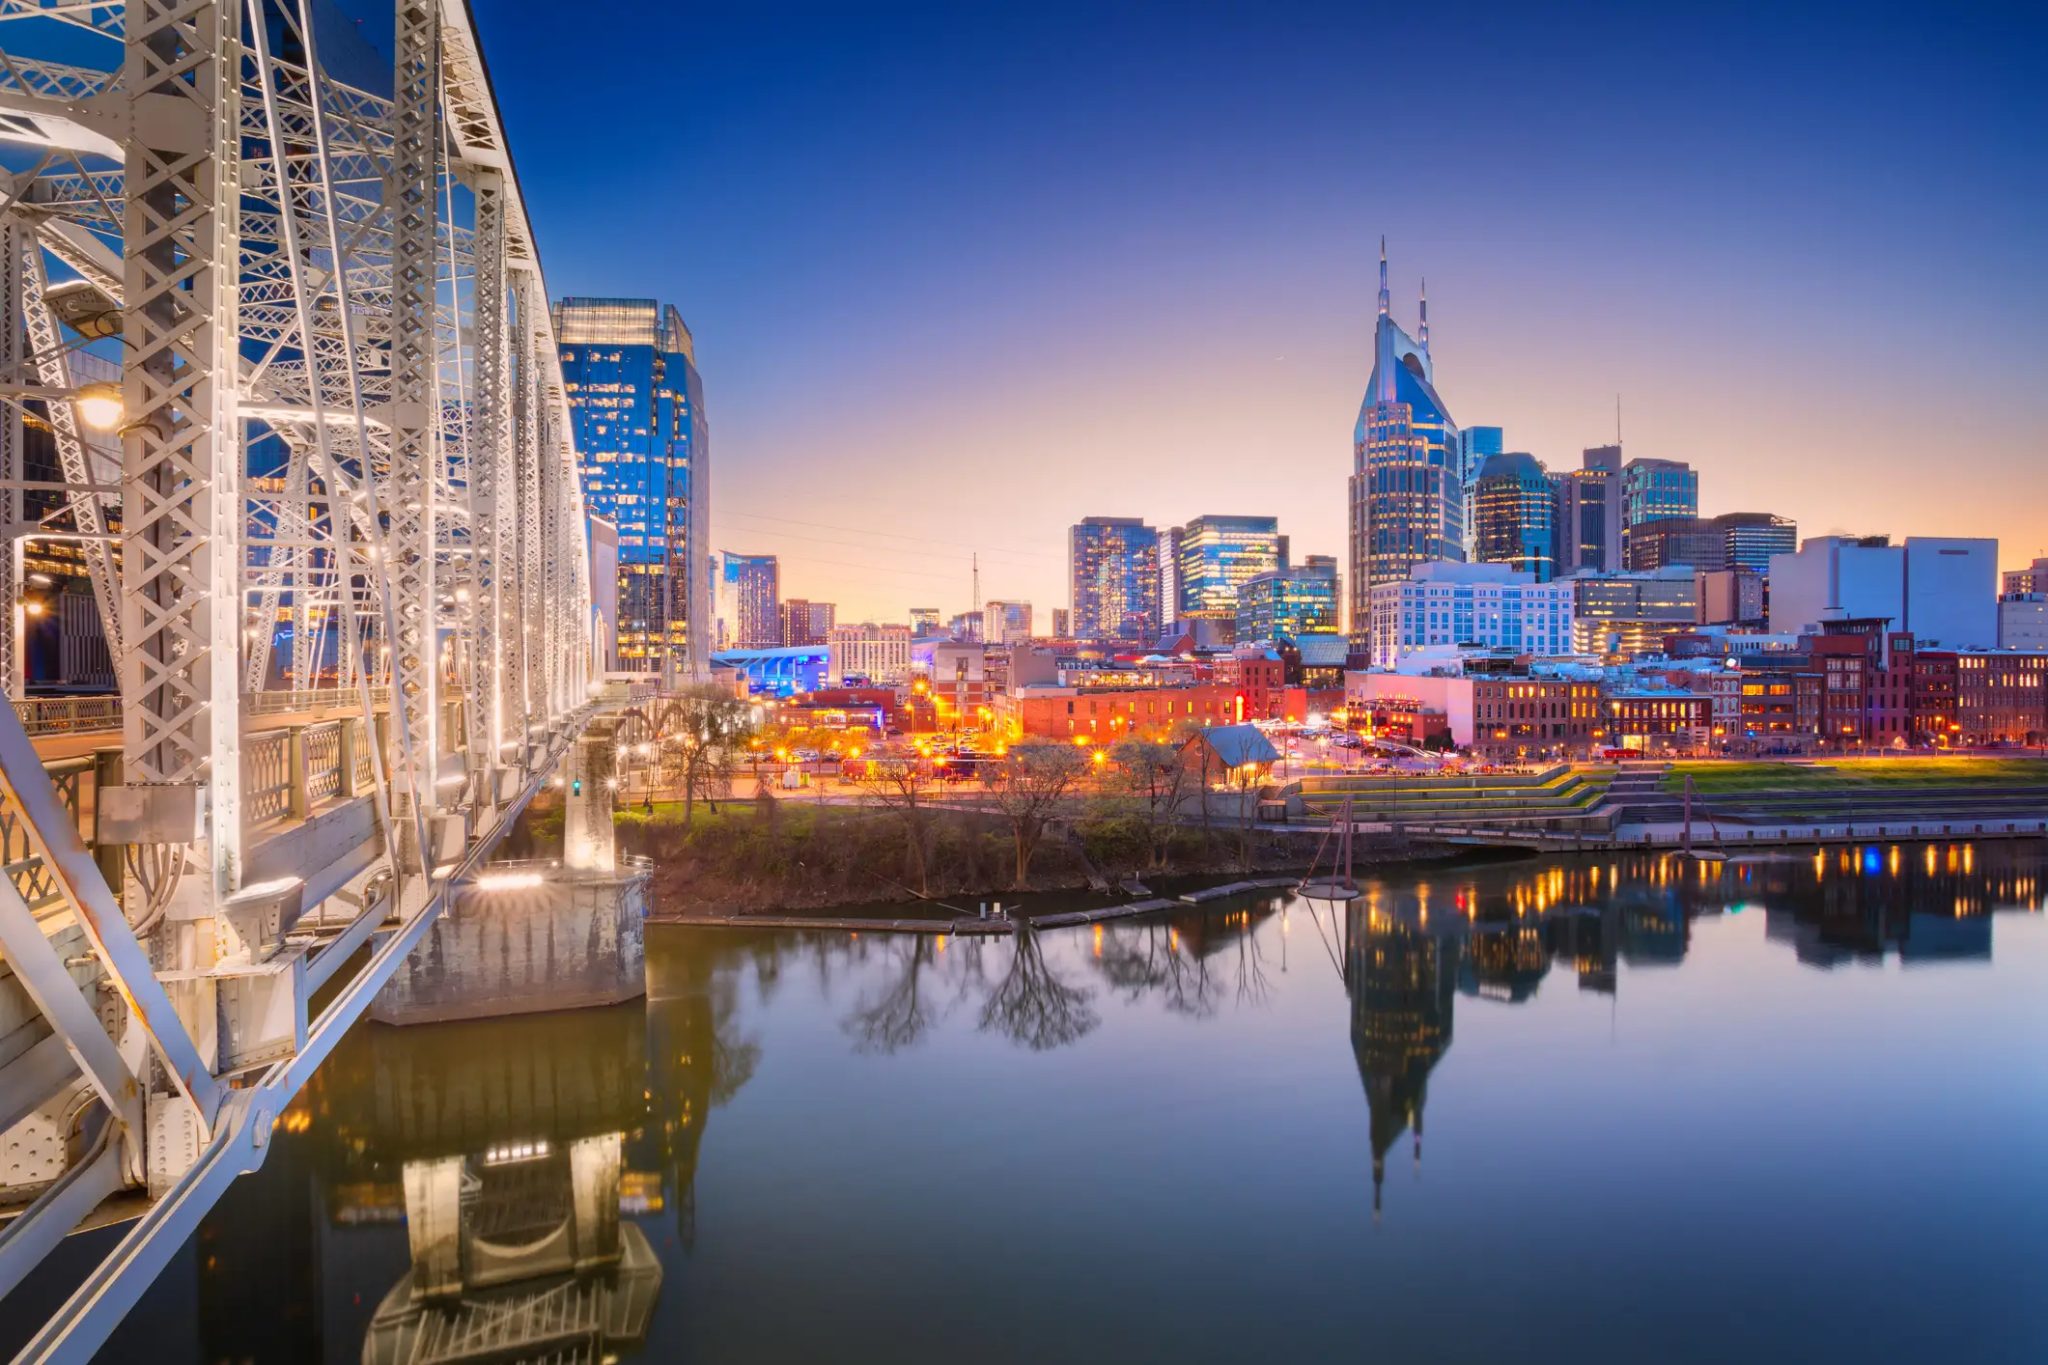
[{"x": 345, "y": 410}]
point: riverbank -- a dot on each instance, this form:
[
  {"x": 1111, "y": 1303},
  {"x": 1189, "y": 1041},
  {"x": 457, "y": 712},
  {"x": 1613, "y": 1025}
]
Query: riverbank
[{"x": 793, "y": 856}]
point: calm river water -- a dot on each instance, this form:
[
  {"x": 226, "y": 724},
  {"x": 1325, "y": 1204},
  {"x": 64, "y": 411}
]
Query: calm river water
[{"x": 1572, "y": 1110}]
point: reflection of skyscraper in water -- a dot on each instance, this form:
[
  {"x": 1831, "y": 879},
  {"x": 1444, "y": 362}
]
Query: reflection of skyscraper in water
[
  {"x": 1505, "y": 961},
  {"x": 1590, "y": 940},
  {"x": 1402, "y": 981}
]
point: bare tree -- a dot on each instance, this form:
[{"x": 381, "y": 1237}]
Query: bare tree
[
  {"x": 1032, "y": 1006},
  {"x": 703, "y": 730},
  {"x": 904, "y": 785},
  {"x": 1030, "y": 788},
  {"x": 1156, "y": 775}
]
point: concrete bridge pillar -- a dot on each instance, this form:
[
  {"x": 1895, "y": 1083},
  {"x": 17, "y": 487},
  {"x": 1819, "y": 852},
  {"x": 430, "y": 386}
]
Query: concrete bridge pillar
[{"x": 587, "y": 840}]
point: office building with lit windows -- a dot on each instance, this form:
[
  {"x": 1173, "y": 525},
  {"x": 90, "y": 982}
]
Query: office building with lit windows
[
  {"x": 636, "y": 404},
  {"x": 1750, "y": 539},
  {"x": 1589, "y": 502},
  {"x": 1654, "y": 489},
  {"x": 1289, "y": 603},
  {"x": 805, "y": 622},
  {"x": 1113, "y": 574},
  {"x": 1490, "y": 606},
  {"x": 749, "y": 601},
  {"x": 1475, "y": 445},
  {"x": 1407, "y": 481},
  {"x": 1217, "y": 554},
  {"x": 1514, "y": 515}
]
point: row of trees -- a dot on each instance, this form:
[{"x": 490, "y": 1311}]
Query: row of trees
[
  {"x": 1034, "y": 786},
  {"x": 694, "y": 744}
]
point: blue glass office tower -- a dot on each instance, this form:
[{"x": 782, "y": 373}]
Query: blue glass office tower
[
  {"x": 1113, "y": 566},
  {"x": 1408, "y": 480},
  {"x": 1514, "y": 515},
  {"x": 1215, "y": 555},
  {"x": 637, "y": 404}
]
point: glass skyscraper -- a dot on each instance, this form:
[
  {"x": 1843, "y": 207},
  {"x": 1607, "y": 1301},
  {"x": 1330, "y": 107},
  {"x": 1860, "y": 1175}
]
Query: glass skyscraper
[
  {"x": 1514, "y": 514},
  {"x": 637, "y": 405},
  {"x": 1654, "y": 489},
  {"x": 1113, "y": 569},
  {"x": 1289, "y": 602},
  {"x": 749, "y": 590},
  {"x": 1216, "y": 554},
  {"x": 1407, "y": 481}
]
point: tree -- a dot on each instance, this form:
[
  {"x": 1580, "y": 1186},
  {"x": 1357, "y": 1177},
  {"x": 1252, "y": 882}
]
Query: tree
[
  {"x": 1156, "y": 774},
  {"x": 703, "y": 730},
  {"x": 903, "y": 784},
  {"x": 1030, "y": 788}
]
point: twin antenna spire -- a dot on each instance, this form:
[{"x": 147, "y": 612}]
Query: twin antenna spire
[{"x": 1386, "y": 298}]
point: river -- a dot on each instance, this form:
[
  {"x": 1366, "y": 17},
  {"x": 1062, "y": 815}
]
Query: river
[{"x": 1573, "y": 1110}]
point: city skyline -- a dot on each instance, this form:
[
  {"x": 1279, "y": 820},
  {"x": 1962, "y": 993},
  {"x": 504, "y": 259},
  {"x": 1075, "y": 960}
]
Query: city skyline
[{"x": 1753, "y": 314}]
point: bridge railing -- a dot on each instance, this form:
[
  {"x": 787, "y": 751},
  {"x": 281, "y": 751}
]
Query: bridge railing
[
  {"x": 310, "y": 699},
  {"x": 68, "y": 715},
  {"x": 289, "y": 772},
  {"x": 76, "y": 782}
]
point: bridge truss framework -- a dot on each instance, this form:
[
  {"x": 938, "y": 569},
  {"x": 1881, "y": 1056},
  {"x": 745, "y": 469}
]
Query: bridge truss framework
[{"x": 344, "y": 458}]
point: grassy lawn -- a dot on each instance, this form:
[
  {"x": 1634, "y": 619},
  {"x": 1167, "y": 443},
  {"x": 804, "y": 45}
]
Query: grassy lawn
[{"x": 1852, "y": 774}]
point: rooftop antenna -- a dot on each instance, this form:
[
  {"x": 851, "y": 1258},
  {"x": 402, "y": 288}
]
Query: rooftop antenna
[
  {"x": 1617, "y": 419},
  {"x": 1422, "y": 337},
  {"x": 977, "y": 582},
  {"x": 1385, "y": 301}
]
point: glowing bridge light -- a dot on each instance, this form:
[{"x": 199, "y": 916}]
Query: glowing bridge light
[{"x": 507, "y": 881}]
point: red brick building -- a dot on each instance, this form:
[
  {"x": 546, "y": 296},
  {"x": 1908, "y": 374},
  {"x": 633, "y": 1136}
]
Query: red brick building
[
  {"x": 1530, "y": 717},
  {"x": 1105, "y": 715},
  {"x": 2002, "y": 697}
]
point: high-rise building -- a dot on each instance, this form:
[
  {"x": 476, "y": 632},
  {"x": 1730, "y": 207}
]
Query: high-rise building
[
  {"x": 1113, "y": 573},
  {"x": 1589, "y": 514},
  {"x": 1486, "y": 605},
  {"x": 1169, "y": 573},
  {"x": 805, "y": 622},
  {"x": 636, "y": 404},
  {"x": 1749, "y": 539},
  {"x": 2033, "y": 578},
  {"x": 1631, "y": 613},
  {"x": 1407, "y": 484},
  {"x": 1942, "y": 589},
  {"x": 1290, "y": 602},
  {"x": 924, "y": 622},
  {"x": 1696, "y": 541},
  {"x": 749, "y": 601},
  {"x": 1218, "y": 553},
  {"x": 1729, "y": 597},
  {"x": 1059, "y": 623},
  {"x": 1475, "y": 444},
  {"x": 1654, "y": 489},
  {"x": 1005, "y": 623},
  {"x": 881, "y": 654},
  {"x": 1514, "y": 515}
]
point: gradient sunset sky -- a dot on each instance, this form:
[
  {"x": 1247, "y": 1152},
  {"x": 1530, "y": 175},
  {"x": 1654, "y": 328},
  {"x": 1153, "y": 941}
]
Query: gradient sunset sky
[{"x": 959, "y": 276}]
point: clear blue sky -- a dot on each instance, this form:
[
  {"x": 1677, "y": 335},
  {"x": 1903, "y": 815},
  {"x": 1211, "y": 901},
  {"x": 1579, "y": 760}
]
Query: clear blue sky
[{"x": 962, "y": 275}]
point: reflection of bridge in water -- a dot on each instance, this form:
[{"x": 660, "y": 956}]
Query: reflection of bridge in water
[{"x": 486, "y": 1190}]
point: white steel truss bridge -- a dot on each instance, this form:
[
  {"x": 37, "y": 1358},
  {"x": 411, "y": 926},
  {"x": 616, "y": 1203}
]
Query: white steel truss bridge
[{"x": 277, "y": 373}]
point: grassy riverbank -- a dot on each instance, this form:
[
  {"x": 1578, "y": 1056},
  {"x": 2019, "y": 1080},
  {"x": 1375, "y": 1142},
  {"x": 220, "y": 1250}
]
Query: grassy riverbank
[
  {"x": 1851, "y": 774},
  {"x": 794, "y": 855}
]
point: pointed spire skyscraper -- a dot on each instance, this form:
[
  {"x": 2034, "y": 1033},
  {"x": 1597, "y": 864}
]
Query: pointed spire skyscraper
[{"x": 1407, "y": 484}]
